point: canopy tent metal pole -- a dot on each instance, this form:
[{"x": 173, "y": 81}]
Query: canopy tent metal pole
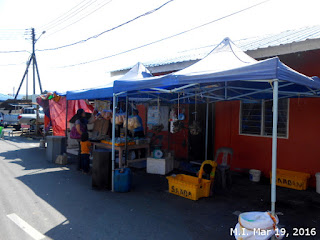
[
  {"x": 113, "y": 137},
  {"x": 274, "y": 146},
  {"x": 225, "y": 90},
  {"x": 126, "y": 129},
  {"x": 66, "y": 132},
  {"x": 270, "y": 90},
  {"x": 175, "y": 89},
  {"x": 260, "y": 91},
  {"x": 194, "y": 94},
  {"x": 207, "y": 133}
]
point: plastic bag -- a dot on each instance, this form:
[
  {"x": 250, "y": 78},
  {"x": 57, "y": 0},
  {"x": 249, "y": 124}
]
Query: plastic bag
[
  {"x": 120, "y": 119},
  {"x": 107, "y": 114},
  {"x": 195, "y": 128},
  {"x": 133, "y": 123}
]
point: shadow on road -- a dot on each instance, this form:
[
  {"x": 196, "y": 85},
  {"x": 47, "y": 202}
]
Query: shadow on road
[
  {"x": 149, "y": 211},
  {"x": 30, "y": 158}
]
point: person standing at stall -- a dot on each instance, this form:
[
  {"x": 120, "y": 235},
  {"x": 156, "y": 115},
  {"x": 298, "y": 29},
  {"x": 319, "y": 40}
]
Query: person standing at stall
[
  {"x": 81, "y": 122},
  {"x": 85, "y": 145},
  {"x": 81, "y": 127},
  {"x": 138, "y": 132}
]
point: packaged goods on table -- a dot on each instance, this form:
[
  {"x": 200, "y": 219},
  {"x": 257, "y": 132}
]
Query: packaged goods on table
[{"x": 120, "y": 141}]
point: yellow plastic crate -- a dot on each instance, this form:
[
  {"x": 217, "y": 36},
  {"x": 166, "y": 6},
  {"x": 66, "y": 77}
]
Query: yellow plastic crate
[
  {"x": 291, "y": 179},
  {"x": 191, "y": 187}
]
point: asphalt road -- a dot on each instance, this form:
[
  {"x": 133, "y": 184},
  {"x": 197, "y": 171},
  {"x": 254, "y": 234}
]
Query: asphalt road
[
  {"x": 18, "y": 162},
  {"x": 59, "y": 203},
  {"x": 41, "y": 200}
]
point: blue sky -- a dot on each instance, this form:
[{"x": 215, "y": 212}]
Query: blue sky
[{"x": 179, "y": 15}]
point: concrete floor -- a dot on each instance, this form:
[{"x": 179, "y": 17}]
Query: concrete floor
[{"x": 59, "y": 203}]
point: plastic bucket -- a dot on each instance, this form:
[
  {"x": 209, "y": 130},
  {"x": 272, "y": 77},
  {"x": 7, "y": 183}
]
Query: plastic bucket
[
  {"x": 318, "y": 182},
  {"x": 254, "y": 175},
  {"x": 42, "y": 143}
]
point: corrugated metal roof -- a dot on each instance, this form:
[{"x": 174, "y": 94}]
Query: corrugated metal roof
[
  {"x": 4, "y": 97},
  {"x": 270, "y": 40}
]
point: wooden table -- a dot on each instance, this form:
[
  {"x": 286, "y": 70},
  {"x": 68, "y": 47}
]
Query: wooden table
[{"x": 120, "y": 149}]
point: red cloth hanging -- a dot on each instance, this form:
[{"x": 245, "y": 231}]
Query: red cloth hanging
[{"x": 57, "y": 113}]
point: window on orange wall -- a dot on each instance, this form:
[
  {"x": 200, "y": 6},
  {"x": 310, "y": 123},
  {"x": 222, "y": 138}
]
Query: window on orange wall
[{"x": 256, "y": 118}]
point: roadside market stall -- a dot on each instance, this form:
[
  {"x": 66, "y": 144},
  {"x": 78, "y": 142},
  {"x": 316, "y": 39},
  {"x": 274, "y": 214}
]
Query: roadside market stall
[
  {"x": 139, "y": 71},
  {"x": 225, "y": 74},
  {"x": 58, "y": 111}
]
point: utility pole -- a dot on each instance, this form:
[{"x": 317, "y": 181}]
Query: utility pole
[
  {"x": 33, "y": 62},
  {"x": 35, "y": 68},
  {"x": 27, "y": 79}
]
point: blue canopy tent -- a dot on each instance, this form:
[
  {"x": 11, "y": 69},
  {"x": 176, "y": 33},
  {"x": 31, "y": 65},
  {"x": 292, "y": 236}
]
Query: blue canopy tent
[
  {"x": 226, "y": 65},
  {"x": 226, "y": 73},
  {"x": 138, "y": 71}
]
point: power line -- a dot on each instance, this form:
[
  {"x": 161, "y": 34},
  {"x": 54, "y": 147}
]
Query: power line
[
  {"x": 166, "y": 38},
  {"x": 25, "y": 32},
  {"x": 109, "y": 30},
  {"x": 61, "y": 16},
  {"x": 75, "y": 13},
  {"x": 72, "y": 14},
  {"x": 82, "y": 17},
  {"x": 11, "y": 31},
  {"x": 19, "y": 51},
  {"x": 11, "y": 37},
  {"x": 12, "y": 64},
  {"x": 11, "y": 34}
]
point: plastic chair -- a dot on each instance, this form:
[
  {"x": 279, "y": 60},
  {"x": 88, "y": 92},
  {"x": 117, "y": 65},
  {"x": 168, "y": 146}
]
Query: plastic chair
[{"x": 224, "y": 167}]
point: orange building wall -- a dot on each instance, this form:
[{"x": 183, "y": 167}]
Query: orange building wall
[
  {"x": 178, "y": 141},
  {"x": 300, "y": 152}
]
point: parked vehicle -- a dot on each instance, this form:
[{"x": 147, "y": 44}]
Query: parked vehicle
[
  {"x": 29, "y": 116},
  {"x": 1, "y": 119},
  {"x": 11, "y": 120}
]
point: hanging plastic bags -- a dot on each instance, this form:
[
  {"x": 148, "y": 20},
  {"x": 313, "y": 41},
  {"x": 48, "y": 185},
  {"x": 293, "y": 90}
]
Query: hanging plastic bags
[
  {"x": 107, "y": 114},
  {"x": 120, "y": 119},
  {"x": 133, "y": 123}
]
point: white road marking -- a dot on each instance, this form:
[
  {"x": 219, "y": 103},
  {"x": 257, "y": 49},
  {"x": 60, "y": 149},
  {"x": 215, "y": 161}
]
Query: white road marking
[
  {"x": 35, "y": 234},
  {"x": 47, "y": 170}
]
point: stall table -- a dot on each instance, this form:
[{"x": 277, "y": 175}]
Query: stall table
[{"x": 123, "y": 148}]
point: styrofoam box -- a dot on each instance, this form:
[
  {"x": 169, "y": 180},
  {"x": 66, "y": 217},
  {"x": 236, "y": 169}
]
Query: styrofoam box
[{"x": 160, "y": 166}]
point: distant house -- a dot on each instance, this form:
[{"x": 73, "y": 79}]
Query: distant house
[
  {"x": 4, "y": 97},
  {"x": 246, "y": 127}
]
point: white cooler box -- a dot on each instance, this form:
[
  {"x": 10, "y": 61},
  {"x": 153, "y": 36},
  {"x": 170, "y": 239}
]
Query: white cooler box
[{"x": 160, "y": 166}]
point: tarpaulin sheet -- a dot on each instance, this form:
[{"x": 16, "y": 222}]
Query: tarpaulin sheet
[{"x": 57, "y": 112}]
